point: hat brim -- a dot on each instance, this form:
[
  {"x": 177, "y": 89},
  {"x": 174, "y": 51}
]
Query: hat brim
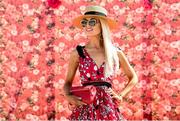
[{"x": 112, "y": 23}]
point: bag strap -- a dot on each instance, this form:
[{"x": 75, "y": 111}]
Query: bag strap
[{"x": 79, "y": 48}]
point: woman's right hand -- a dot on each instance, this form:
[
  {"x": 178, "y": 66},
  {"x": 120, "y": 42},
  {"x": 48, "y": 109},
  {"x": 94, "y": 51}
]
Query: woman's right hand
[{"x": 74, "y": 100}]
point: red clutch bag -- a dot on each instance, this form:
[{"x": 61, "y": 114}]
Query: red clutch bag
[{"x": 87, "y": 93}]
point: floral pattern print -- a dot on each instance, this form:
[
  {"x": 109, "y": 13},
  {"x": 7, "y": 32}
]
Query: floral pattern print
[{"x": 103, "y": 107}]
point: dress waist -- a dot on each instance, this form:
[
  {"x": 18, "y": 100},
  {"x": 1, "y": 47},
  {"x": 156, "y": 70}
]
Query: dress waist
[{"x": 98, "y": 84}]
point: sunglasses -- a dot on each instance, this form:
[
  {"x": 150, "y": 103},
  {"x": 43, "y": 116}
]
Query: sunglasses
[{"x": 91, "y": 22}]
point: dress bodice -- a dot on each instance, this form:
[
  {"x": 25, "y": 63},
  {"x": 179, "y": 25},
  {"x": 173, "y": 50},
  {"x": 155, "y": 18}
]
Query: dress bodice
[{"x": 89, "y": 70}]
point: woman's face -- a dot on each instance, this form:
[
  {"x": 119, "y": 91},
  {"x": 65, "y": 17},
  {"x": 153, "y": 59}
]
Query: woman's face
[{"x": 91, "y": 26}]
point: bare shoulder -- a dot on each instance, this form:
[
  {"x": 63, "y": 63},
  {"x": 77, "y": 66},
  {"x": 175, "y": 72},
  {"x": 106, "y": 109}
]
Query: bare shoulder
[
  {"x": 121, "y": 54},
  {"x": 123, "y": 58}
]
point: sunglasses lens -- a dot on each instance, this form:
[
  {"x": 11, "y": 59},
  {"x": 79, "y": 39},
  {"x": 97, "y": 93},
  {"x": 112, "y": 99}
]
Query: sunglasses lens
[
  {"x": 92, "y": 22},
  {"x": 83, "y": 23}
]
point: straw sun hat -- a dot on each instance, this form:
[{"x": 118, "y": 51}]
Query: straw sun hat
[{"x": 95, "y": 12}]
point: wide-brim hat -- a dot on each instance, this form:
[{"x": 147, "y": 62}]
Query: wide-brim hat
[{"x": 96, "y": 12}]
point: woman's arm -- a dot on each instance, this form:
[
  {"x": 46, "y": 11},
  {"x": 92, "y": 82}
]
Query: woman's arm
[
  {"x": 129, "y": 71},
  {"x": 72, "y": 67}
]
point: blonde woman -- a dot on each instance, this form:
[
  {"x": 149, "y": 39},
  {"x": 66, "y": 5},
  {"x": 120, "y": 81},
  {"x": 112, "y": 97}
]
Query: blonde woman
[{"x": 98, "y": 62}]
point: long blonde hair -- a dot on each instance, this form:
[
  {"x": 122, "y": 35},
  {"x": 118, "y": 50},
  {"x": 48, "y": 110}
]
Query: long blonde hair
[{"x": 111, "y": 57}]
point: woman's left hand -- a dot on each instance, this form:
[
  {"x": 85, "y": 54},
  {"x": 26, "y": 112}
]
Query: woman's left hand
[{"x": 115, "y": 95}]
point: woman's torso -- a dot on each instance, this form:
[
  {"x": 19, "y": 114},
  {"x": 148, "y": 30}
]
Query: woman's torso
[{"x": 89, "y": 70}]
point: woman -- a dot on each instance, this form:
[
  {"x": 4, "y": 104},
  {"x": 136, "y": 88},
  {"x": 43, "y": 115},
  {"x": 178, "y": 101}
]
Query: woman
[{"x": 98, "y": 61}]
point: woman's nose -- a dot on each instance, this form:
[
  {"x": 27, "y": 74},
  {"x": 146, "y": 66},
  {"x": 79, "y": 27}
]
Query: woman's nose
[{"x": 88, "y": 26}]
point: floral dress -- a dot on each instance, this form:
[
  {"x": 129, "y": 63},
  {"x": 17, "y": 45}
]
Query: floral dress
[{"x": 104, "y": 107}]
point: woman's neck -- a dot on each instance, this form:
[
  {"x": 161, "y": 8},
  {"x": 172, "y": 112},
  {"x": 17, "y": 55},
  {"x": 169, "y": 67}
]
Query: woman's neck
[{"x": 95, "y": 42}]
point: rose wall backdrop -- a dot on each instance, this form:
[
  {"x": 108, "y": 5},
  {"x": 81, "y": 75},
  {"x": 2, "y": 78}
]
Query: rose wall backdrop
[{"x": 36, "y": 37}]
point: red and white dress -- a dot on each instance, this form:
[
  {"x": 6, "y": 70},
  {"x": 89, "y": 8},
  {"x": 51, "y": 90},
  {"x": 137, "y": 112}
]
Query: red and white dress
[{"x": 104, "y": 106}]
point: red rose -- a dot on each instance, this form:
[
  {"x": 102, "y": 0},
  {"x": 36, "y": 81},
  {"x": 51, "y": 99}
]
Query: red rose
[
  {"x": 54, "y": 3},
  {"x": 147, "y": 4}
]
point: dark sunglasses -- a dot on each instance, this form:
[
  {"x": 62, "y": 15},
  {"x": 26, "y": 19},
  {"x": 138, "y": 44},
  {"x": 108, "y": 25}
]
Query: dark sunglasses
[{"x": 91, "y": 22}]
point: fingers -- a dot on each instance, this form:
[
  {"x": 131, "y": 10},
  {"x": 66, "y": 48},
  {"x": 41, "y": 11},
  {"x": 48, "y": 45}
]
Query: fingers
[
  {"x": 79, "y": 101},
  {"x": 114, "y": 95},
  {"x": 71, "y": 106},
  {"x": 110, "y": 92},
  {"x": 78, "y": 98},
  {"x": 75, "y": 104},
  {"x": 82, "y": 103}
]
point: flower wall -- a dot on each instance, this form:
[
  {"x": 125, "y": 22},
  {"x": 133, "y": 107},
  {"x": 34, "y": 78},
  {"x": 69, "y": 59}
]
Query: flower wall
[{"x": 36, "y": 37}]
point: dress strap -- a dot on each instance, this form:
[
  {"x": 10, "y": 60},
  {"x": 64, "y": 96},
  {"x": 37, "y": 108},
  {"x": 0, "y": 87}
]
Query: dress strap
[
  {"x": 118, "y": 48},
  {"x": 79, "y": 48}
]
